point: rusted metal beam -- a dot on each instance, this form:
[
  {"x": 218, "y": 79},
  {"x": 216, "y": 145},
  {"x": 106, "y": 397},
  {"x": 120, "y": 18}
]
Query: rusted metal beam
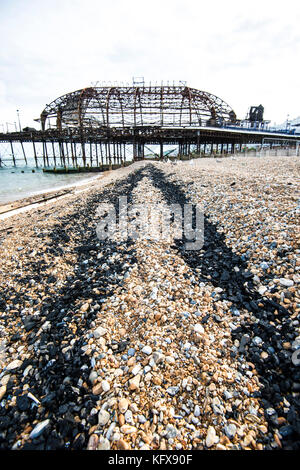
[
  {"x": 23, "y": 150},
  {"x": 12, "y": 152},
  {"x": 34, "y": 153},
  {"x": 53, "y": 153}
]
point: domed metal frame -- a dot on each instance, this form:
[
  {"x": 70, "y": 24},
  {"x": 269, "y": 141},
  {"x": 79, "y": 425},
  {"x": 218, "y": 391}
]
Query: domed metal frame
[{"x": 137, "y": 106}]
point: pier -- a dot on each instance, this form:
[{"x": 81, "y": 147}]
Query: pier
[{"x": 94, "y": 129}]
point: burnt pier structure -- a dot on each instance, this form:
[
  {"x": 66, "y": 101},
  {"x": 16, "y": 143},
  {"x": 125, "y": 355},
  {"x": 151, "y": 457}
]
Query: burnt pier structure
[{"x": 92, "y": 128}]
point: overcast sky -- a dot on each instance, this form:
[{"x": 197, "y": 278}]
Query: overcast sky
[{"x": 247, "y": 53}]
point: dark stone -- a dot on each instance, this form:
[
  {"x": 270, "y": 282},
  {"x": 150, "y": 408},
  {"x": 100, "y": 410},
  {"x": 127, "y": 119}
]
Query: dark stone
[
  {"x": 205, "y": 319},
  {"x": 49, "y": 399},
  {"x": 33, "y": 446},
  {"x": 15, "y": 337},
  {"x": 54, "y": 443},
  {"x": 23, "y": 403},
  {"x": 79, "y": 442},
  {"x": 286, "y": 431},
  {"x": 5, "y": 421},
  {"x": 29, "y": 323},
  {"x": 122, "y": 345},
  {"x": 63, "y": 409},
  {"x": 296, "y": 387},
  {"x": 217, "y": 318}
]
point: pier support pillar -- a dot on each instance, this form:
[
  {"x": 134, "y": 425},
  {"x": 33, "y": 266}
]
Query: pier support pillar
[
  {"x": 83, "y": 153},
  {"x": 24, "y": 154},
  {"x": 34, "y": 153},
  {"x": 91, "y": 154},
  {"x": 53, "y": 152},
  {"x": 134, "y": 150},
  {"x": 161, "y": 151},
  {"x": 12, "y": 152},
  {"x": 72, "y": 154},
  {"x": 97, "y": 159},
  {"x": 101, "y": 155}
]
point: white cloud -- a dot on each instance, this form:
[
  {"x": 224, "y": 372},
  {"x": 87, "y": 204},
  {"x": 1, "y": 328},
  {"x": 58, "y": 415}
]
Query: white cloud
[{"x": 246, "y": 53}]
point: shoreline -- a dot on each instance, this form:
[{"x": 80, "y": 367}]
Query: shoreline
[
  {"x": 40, "y": 198},
  {"x": 21, "y": 202},
  {"x": 40, "y": 193},
  {"x": 33, "y": 202}
]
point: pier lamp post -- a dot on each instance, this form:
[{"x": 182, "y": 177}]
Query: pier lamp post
[{"x": 19, "y": 120}]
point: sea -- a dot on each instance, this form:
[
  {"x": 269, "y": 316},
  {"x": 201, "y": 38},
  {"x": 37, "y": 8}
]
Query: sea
[
  {"x": 26, "y": 180},
  {"x": 21, "y": 181}
]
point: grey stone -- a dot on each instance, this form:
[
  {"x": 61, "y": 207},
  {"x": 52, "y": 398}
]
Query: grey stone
[
  {"x": 286, "y": 282},
  {"x": 99, "y": 332},
  {"x": 197, "y": 411},
  {"x": 171, "y": 432},
  {"x": 147, "y": 350},
  {"x": 93, "y": 376},
  {"x": 103, "y": 417},
  {"x": 230, "y": 430},
  {"x": 296, "y": 357},
  {"x": 173, "y": 390},
  {"x": 39, "y": 429}
]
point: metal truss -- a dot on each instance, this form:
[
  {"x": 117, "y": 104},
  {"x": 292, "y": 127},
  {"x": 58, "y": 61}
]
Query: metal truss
[{"x": 134, "y": 106}]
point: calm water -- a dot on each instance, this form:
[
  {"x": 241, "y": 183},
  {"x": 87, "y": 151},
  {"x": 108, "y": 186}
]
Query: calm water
[{"x": 16, "y": 185}]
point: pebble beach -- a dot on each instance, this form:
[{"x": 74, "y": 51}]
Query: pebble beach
[{"x": 144, "y": 345}]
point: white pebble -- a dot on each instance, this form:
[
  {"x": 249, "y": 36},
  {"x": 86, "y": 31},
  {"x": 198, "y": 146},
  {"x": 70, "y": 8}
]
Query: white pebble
[
  {"x": 147, "y": 350},
  {"x": 197, "y": 411},
  {"x": 286, "y": 282},
  {"x": 39, "y": 428},
  {"x": 103, "y": 417},
  {"x": 198, "y": 329},
  {"x": 105, "y": 385}
]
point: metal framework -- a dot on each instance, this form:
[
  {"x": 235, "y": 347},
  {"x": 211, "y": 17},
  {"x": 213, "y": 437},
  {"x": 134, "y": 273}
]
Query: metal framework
[
  {"x": 166, "y": 106},
  {"x": 92, "y": 128}
]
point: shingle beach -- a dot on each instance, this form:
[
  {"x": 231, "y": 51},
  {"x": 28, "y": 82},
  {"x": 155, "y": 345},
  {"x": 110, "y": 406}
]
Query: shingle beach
[{"x": 142, "y": 344}]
